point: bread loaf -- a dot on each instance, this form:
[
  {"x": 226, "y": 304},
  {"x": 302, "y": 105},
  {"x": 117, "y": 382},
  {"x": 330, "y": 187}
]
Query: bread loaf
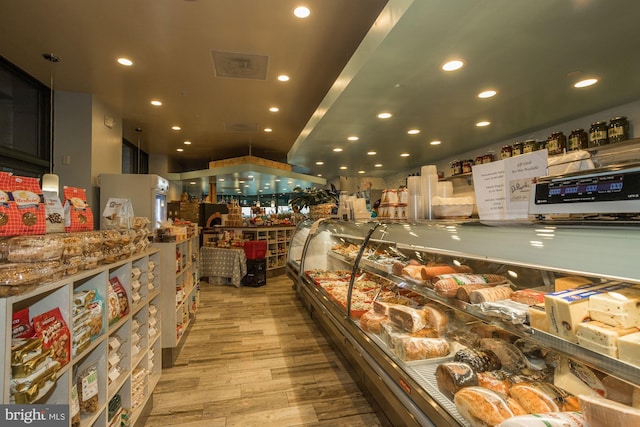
[
  {"x": 509, "y": 355},
  {"x": 407, "y": 318},
  {"x": 496, "y": 381},
  {"x": 541, "y": 397},
  {"x": 452, "y": 376},
  {"x": 421, "y": 348},
  {"x": 479, "y": 360},
  {"x": 482, "y": 407}
]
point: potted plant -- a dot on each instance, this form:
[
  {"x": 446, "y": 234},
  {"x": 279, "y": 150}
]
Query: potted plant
[{"x": 320, "y": 201}]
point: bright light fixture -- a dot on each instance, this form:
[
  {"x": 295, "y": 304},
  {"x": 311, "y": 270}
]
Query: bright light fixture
[
  {"x": 405, "y": 155},
  {"x": 353, "y": 138},
  {"x": 156, "y": 103},
  {"x": 268, "y": 130},
  {"x": 221, "y": 180},
  {"x": 301, "y": 12},
  {"x": 371, "y": 153},
  {"x": 435, "y": 142},
  {"x": 343, "y": 167},
  {"x": 378, "y": 165},
  {"x": 250, "y": 176},
  {"x": 337, "y": 150},
  {"x": 483, "y": 123},
  {"x": 283, "y": 78},
  {"x": 179, "y": 150},
  {"x": 487, "y": 94},
  {"x": 384, "y": 115},
  {"x": 125, "y": 61},
  {"x": 413, "y": 131},
  {"x": 319, "y": 163},
  {"x": 585, "y": 83},
  {"x": 274, "y": 109},
  {"x": 361, "y": 171},
  {"x": 320, "y": 174},
  {"x": 277, "y": 180},
  {"x": 176, "y": 128},
  {"x": 192, "y": 183},
  {"x": 452, "y": 65},
  {"x": 187, "y": 143}
]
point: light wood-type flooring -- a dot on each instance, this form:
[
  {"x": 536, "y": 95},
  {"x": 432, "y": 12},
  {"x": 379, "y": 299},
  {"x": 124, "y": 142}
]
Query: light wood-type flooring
[{"x": 254, "y": 357}]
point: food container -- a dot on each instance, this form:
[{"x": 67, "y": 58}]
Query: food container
[
  {"x": 598, "y": 134},
  {"x": 452, "y": 207},
  {"x": 35, "y": 248},
  {"x": 517, "y": 148},
  {"x": 556, "y": 143},
  {"x": 530, "y": 145},
  {"x": 618, "y": 129},
  {"x": 578, "y": 140}
]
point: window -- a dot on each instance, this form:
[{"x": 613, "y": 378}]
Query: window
[{"x": 130, "y": 156}]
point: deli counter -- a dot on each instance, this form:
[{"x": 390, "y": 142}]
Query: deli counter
[{"x": 407, "y": 304}]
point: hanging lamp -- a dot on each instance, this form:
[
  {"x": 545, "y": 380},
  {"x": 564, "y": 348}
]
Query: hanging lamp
[{"x": 51, "y": 181}]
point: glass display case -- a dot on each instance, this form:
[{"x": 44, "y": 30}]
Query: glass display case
[
  {"x": 403, "y": 302},
  {"x": 296, "y": 246}
]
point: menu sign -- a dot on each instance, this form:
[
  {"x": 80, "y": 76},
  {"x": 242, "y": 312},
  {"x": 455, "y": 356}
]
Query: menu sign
[{"x": 502, "y": 188}]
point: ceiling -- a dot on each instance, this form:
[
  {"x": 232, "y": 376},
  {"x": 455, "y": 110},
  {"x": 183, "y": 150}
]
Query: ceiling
[{"x": 348, "y": 61}]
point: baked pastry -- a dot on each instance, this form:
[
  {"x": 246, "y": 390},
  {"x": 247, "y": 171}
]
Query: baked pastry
[
  {"x": 479, "y": 360},
  {"x": 453, "y": 376},
  {"x": 421, "y": 348},
  {"x": 541, "y": 397},
  {"x": 482, "y": 407},
  {"x": 511, "y": 358},
  {"x": 496, "y": 381}
]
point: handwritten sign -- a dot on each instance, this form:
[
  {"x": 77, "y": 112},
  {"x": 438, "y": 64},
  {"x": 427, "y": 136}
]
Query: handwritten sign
[{"x": 502, "y": 188}]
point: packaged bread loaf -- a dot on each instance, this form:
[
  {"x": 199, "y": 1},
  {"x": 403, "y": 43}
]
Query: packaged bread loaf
[
  {"x": 479, "y": 360},
  {"x": 407, "y": 318},
  {"x": 497, "y": 381},
  {"x": 453, "y": 376},
  {"x": 482, "y": 407},
  {"x": 446, "y": 285},
  {"x": 411, "y": 348},
  {"x": 511, "y": 358},
  {"x": 540, "y": 397},
  {"x": 370, "y": 321}
]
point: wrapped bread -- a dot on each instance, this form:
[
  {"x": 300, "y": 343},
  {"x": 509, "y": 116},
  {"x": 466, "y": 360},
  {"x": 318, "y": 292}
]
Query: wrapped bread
[
  {"x": 496, "y": 381},
  {"x": 482, "y": 407},
  {"x": 453, "y": 376},
  {"x": 446, "y": 285},
  {"x": 407, "y": 318},
  {"x": 511, "y": 358},
  {"x": 370, "y": 321},
  {"x": 479, "y": 360},
  {"x": 421, "y": 348},
  {"x": 540, "y": 397},
  {"x": 601, "y": 412}
]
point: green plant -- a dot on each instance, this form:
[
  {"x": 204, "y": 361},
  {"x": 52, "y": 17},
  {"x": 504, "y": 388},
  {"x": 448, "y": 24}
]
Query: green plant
[{"x": 312, "y": 196}]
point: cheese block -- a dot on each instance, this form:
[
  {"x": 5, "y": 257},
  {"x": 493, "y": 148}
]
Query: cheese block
[
  {"x": 617, "y": 308},
  {"x": 602, "y": 334},
  {"x": 566, "y": 309},
  {"x": 599, "y": 411},
  {"x": 538, "y": 318},
  {"x": 571, "y": 282},
  {"x": 629, "y": 348}
]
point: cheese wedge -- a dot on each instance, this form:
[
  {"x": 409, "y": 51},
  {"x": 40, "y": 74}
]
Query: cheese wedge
[
  {"x": 617, "y": 308},
  {"x": 629, "y": 348}
]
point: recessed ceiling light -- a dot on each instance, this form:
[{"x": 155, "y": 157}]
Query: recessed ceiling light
[
  {"x": 277, "y": 180},
  {"x": 283, "y": 78},
  {"x": 260, "y": 191},
  {"x": 268, "y": 130},
  {"x": 384, "y": 115},
  {"x": 337, "y": 150},
  {"x": 156, "y": 103},
  {"x": 125, "y": 61},
  {"x": 361, "y": 171},
  {"x": 353, "y": 138},
  {"x": 274, "y": 109},
  {"x": 241, "y": 182},
  {"x": 435, "y": 142},
  {"x": 452, "y": 65},
  {"x": 246, "y": 186},
  {"x": 187, "y": 143},
  {"x": 319, "y": 174},
  {"x": 405, "y": 155},
  {"x": 289, "y": 182},
  {"x": 221, "y": 180},
  {"x": 371, "y": 153},
  {"x": 378, "y": 165},
  {"x": 301, "y": 12},
  {"x": 483, "y": 123},
  {"x": 413, "y": 131},
  {"x": 179, "y": 150},
  {"x": 487, "y": 94},
  {"x": 176, "y": 128},
  {"x": 585, "y": 83},
  {"x": 343, "y": 167},
  {"x": 192, "y": 183},
  {"x": 250, "y": 176},
  {"x": 319, "y": 163}
]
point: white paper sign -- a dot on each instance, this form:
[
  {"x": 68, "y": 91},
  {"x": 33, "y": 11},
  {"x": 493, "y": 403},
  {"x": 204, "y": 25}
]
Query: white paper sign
[{"x": 502, "y": 188}]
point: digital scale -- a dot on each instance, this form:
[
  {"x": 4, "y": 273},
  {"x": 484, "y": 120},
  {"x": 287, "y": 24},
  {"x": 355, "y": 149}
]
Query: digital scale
[{"x": 610, "y": 191}]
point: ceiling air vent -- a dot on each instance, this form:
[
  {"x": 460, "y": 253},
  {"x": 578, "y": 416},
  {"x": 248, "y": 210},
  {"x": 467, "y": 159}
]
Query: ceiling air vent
[
  {"x": 240, "y": 127},
  {"x": 240, "y": 65}
]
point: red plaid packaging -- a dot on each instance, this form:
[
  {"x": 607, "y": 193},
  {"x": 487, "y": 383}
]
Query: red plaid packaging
[
  {"x": 9, "y": 217},
  {"x": 27, "y": 195},
  {"x": 77, "y": 213}
]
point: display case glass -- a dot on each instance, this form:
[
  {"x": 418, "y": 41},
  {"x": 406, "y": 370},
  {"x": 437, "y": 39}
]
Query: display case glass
[{"x": 417, "y": 297}]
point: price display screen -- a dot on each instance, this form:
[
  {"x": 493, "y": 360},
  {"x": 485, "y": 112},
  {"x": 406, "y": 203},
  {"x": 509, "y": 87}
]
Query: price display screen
[{"x": 589, "y": 189}]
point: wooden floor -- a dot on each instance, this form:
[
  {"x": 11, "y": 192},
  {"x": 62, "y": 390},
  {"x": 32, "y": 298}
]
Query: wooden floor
[{"x": 254, "y": 357}]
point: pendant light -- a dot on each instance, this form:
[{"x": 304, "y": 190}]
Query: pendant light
[{"x": 51, "y": 181}]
